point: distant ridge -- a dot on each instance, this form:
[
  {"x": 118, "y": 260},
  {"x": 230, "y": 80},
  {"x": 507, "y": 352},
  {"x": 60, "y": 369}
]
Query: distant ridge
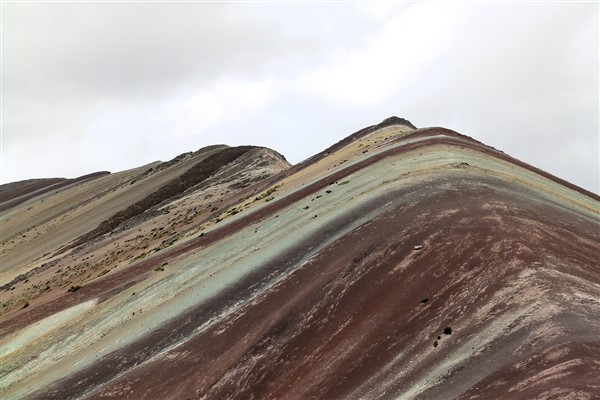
[{"x": 13, "y": 194}]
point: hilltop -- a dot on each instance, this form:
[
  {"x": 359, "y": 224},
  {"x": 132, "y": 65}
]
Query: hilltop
[{"x": 397, "y": 263}]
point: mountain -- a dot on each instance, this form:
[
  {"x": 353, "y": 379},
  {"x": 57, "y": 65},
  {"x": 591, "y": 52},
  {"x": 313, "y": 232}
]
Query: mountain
[{"x": 398, "y": 263}]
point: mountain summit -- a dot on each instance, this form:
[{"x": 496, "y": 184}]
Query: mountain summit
[{"x": 398, "y": 263}]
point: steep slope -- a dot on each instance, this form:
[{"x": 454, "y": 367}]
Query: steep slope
[
  {"x": 13, "y": 194},
  {"x": 45, "y": 224},
  {"x": 56, "y": 240},
  {"x": 399, "y": 263}
]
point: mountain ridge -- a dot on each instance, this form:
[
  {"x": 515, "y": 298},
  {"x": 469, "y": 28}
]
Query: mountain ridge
[{"x": 395, "y": 263}]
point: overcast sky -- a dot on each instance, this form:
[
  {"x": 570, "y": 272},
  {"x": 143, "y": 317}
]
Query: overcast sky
[{"x": 94, "y": 86}]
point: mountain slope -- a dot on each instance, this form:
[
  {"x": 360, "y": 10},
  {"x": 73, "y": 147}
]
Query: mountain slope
[
  {"x": 399, "y": 263},
  {"x": 63, "y": 230}
]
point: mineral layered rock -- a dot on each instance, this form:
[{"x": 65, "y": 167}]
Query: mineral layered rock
[{"x": 398, "y": 263}]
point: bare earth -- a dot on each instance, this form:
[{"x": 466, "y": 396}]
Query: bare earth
[{"x": 399, "y": 263}]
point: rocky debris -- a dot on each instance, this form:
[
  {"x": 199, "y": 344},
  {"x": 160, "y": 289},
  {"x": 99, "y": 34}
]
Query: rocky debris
[{"x": 28, "y": 274}]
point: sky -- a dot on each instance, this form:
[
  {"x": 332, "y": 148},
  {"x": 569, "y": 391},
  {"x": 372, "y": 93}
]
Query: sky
[{"x": 90, "y": 86}]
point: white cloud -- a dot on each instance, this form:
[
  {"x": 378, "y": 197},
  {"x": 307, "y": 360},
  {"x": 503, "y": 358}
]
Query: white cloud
[{"x": 368, "y": 75}]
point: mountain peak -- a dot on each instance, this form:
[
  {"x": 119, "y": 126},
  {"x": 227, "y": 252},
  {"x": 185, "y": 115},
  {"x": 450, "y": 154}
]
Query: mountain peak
[
  {"x": 394, "y": 264},
  {"x": 394, "y": 120}
]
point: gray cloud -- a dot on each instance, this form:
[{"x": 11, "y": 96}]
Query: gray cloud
[
  {"x": 89, "y": 86},
  {"x": 533, "y": 94},
  {"x": 128, "y": 49}
]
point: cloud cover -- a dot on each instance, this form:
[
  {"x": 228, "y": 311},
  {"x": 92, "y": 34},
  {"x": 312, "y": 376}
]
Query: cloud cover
[{"x": 109, "y": 86}]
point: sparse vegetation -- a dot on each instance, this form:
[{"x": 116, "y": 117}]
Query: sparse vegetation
[
  {"x": 193, "y": 176},
  {"x": 268, "y": 193},
  {"x": 425, "y": 300},
  {"x": 435, "y": 344},
  {"x": 447, "y": 331},
  {"x": 73, "y": 289},
  {"x": 139, "y": 257},
  {"x": 233, "y": 211}
]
